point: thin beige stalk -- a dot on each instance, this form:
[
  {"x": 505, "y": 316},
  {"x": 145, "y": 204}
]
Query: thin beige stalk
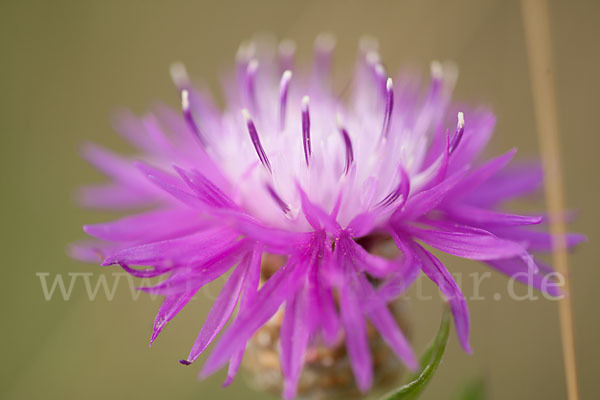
[{"x": 536, "y": 20}]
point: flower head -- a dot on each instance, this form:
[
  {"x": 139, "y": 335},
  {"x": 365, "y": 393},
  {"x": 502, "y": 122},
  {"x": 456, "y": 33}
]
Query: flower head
[{"x": 293, "y": 171}]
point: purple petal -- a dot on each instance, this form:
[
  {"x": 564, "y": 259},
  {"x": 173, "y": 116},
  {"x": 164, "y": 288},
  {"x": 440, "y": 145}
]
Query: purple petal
[
  {"x": 130, "y": 127},
  {"x": 150, "y": 226},
  {"x": 435, "y": 270},
  {"x": 278, "y": 241},
  {"x": 399, "y": 282},
  {"x": 181, "y": 251},
  {"x": 436, "y": 172},
  {"x": 151, "y": 272},
  {"x": 220, "y": 312},
  {"x": 376, "y": 266},
  {"x": 362, "y": 224},
  {"x": 273, "y": 293},
  {"x": 113, "y": 165},
  {"x": 472, "y": 215},
  {"x": 406, "y": 273},
  {"x": 482, "y": 174},
  {"x": 315, "y": 215},
  {"x": 512, "y": 182},
  {"x": 514, "y": 267},
  {"x": 176, "y": 124},
  {"x": 536, "y": 240},
  {"x": 199, "y": 273},
  {"x": 206, "y": 191},
  {"x": 321, "y": 298},
  {"x": 425, "y": 201},
  {"x": 401, "y": 191},
  {"x": 113, "y": 196},
  {"x": 327, "y": 310},
  {"x": 144, "y": 133},
  {"x": 249, "y": 294},
  {"x": 91, "y": 251},
  {"x": 171, "y": 185},
  {"x": 384, "y": 322},
  {"x": 357, "y": 341},
  {"x": 475, "y": 244},
  {"x": 294, "y": 340},
  {"x": 169, "y": 309}
]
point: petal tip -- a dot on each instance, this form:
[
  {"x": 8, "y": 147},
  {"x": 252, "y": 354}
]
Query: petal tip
[
  {"x": 412, "y": 364},
  {"x": 468, "y": 349}
]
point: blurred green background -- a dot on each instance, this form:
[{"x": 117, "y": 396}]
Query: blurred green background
[{"x": 67, "y": 65}]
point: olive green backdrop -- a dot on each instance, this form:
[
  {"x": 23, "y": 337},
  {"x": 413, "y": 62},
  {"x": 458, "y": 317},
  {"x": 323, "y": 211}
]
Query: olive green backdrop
[{"x": 67, "y": 65}]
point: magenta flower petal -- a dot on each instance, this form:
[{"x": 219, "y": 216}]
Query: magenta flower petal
[
  {"x": 206, "y": 271},
  {"x": 514, "y": 267},
  {"x": 92, "y": 251},
  {"x": 294, "y": 340},
  {"x": 193, "y": 248},
  {"x": 472, "y": 215},
  {"x": 407, "y": 272},
  {"x": 207, "y": 191},
  {"x": 481, "y": 175},
  {"x": 219, "y": 313},
  {"x": 435, "y": 270},
  {"x": 384, "y": 322},
  {"x": 268, "y": 300},
  {"x": 512, "y": 182},
  {"x": 475, "y": 244},
  {"x": 113, "y": 165},
  {"x": 357, "y": 342},
  {"x": 171, "y": 185},
  {"x": 362, "y": 224},
  {"x": 275, "y": 240},
  {"x": 375, "y": 266},
  {"x": 329, "y": 317},
  {"x": 250, "y": 289},
  {"x": 426, "y": 201},
  {"x": 113, "y": 196},
  {"x": 149, "y": 227},
  {"x": 536, "y": 240},
  {"x": 168, "y": 310}
]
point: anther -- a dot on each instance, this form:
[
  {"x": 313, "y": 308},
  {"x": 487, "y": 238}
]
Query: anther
[
  {"x": 401, "y": 190},
  {"x": 282, "y": 204},
  {"x": 347, "y": 143},
  {"x": 189, "y": 118},
  {"x": 260, "y": 151},
  {"x": 389, "y": 107},
  {"x": 306, "y": 129},
  {"x": 460, "y": 130}
]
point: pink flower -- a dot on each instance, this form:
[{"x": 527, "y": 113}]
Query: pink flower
[{"x": 291, "y": 168}]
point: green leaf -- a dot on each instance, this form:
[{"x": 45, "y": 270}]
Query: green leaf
[{"x": 430, "y": 360}]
